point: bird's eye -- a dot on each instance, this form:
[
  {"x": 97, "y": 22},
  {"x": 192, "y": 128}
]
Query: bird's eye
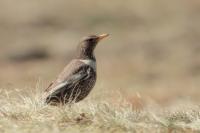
[{"x": 90, "y": 40}]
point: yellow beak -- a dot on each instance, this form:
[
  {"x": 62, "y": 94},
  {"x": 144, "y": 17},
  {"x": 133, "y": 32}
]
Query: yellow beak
[{"x": 102, "y": 36}]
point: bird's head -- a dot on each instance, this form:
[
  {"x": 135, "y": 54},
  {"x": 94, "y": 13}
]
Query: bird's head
[{"x": 88, "y": 44}]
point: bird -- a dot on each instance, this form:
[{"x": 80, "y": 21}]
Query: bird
[{"x": 78, "y": 78}]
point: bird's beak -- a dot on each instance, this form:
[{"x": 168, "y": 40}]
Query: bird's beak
[{"x": 100, "y": 37}]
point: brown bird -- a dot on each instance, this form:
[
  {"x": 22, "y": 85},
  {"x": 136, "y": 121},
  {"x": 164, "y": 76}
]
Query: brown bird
[{"x": 78, "y": 78}]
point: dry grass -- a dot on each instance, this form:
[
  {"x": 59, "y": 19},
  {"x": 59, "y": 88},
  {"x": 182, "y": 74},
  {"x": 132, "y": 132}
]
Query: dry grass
[{"x": 26, "y": 113}]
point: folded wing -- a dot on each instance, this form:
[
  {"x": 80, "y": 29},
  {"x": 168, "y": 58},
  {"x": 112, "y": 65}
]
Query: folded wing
[{"x": 72, "y": 74}]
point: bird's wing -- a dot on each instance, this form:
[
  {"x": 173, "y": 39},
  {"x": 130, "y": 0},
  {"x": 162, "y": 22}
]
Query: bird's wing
[{"x": 72, "y": 73}]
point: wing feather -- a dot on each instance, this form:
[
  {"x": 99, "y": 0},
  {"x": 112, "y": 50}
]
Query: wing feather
[{"x": 71, "y": 74}]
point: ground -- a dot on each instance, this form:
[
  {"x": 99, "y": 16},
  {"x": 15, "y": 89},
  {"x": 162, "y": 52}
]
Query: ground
[{"x": 26, "y": 113}]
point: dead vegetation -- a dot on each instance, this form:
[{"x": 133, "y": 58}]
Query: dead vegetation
[{"x": 26, "y": 113}]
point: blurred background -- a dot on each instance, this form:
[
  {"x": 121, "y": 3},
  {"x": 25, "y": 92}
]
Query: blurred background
[{"x": 153, "y": 48}]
